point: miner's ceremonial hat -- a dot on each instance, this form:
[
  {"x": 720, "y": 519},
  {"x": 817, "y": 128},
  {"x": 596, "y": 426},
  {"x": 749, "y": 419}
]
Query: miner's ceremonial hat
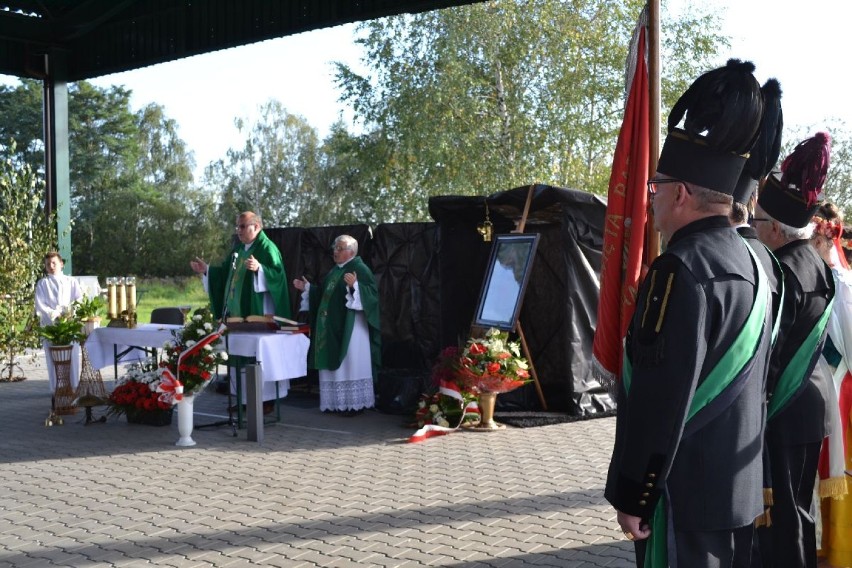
[
  {"x": 722, "y": 111},
  {"x": 793, "y": 195}
]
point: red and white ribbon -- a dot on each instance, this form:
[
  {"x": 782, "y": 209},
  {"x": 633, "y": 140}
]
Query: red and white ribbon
[
  {"x": 471, "y": 409},
  {"x": 170, "y": 387}
]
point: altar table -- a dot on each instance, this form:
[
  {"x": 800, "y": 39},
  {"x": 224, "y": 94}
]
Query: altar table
[
  {"x": 280, "y": 356},
  {"x": 114, "y": 345}
]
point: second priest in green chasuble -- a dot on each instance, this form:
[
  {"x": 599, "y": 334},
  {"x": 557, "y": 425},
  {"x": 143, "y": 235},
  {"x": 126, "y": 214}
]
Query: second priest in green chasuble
[
  {"x": 252, "y": 279},
  {"x": 345, "y": 330}
]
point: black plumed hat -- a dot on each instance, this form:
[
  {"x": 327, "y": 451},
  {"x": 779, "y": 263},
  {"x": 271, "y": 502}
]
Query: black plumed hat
[
  {"x": 721, "y": 114},
  {"x": 764, "y": 153},
  {"x": 793, "y": 195}
]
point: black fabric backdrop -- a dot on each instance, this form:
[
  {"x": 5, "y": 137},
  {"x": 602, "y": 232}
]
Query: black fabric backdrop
[
  {"x": 430, "y": 275},
  {"x": 559, "y": 312}
]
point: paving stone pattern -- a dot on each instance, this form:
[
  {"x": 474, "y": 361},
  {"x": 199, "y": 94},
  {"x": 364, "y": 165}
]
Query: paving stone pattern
[{"x": 319, "y": 491}]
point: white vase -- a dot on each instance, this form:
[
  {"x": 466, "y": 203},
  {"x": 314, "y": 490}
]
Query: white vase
[
  {"x": 185, "y": 421},
  {"x": 91, "y": 325}
]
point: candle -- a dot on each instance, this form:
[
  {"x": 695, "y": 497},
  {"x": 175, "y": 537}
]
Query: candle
[
  {"x": 122, "y": 296},
  {"x": 131, "y": 293},
  {"x": 112, "y": 309}
]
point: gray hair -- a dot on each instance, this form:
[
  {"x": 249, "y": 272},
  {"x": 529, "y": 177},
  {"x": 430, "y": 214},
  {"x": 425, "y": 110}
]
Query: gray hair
[
  {"x": 349, "y": 242},
  {"x": 252, "y": 217},
  {"x": 708, "y": 199},
  {"x": 795, "y": 233}
]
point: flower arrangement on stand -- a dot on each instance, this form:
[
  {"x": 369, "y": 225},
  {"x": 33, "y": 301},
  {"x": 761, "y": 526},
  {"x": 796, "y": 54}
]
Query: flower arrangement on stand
[
  {"x": 137, "y": 396},
  {"x": 194, "y": 354},
  {"x": 491, "y": 365},
  {"x": 191, "y": 361},
  {"x": 88, "y": 310},
  {"x": 61, "y": 334}
]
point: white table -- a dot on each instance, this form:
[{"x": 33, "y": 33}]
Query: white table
[
  {"x": 281, "y": 357},
  {"x": 111, "y": 345}
]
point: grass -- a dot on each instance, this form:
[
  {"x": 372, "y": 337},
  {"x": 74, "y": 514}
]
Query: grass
[{"x": 168, "y": 292}]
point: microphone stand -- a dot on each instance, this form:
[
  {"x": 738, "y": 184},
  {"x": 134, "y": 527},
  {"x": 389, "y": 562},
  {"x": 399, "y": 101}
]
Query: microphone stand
[{"x": 229, "y": 288}]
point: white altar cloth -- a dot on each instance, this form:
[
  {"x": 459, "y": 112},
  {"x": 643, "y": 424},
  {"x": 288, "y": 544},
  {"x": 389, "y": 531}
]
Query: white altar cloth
[
  {"x": 104, "y": 343},
  {"x": 281, "y": 357}
]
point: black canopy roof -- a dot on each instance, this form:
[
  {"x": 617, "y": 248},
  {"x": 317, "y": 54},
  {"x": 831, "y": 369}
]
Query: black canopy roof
[{"x": 99, "y": 37}]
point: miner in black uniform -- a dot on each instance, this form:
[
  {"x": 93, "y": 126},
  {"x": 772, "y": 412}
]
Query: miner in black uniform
[
  {"x": 686, "y": 470},
  {"x": 797, "y": 395}
]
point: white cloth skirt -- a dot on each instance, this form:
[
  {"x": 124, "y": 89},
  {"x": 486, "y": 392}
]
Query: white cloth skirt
[{"x": 350, "y": 387}]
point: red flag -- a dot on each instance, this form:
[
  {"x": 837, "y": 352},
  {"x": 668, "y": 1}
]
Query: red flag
[{"x": 624, "y": 229}]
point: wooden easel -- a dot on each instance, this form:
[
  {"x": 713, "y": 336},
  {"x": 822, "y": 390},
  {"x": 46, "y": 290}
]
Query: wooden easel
[{"x": 518, "y": 329}]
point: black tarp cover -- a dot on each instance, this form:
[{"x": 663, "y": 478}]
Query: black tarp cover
[
  {"x": 430, "y": 275},
  {"x": 559, "y": 312}
]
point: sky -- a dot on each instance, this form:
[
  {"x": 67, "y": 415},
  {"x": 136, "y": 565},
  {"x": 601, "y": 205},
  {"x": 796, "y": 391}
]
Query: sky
[{"x": 802, "y": 45}]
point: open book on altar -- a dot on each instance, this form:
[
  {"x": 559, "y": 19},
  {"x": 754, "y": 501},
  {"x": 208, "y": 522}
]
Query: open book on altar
[{"x": 266, "y": 323}]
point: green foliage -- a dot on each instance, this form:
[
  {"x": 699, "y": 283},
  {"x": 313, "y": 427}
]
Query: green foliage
[
  {"x": 26, "y": 234},
  {"x": 89, "y": 307},
  {"x": 64, "y": 330},
  {"x": 17, "y": 321},
  {"x": 168, "y": 292},
  {"x": 132, "y": 196},
  {"x": 453, "y": 107},
  {"x": 274, "y": 173}
]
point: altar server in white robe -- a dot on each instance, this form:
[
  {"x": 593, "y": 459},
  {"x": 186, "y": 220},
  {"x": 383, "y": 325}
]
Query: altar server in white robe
[{"x": 54, "y": 294}]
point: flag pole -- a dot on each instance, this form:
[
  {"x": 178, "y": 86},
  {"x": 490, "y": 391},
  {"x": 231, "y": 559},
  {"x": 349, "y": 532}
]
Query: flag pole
[{"x": 652, "y": 237}]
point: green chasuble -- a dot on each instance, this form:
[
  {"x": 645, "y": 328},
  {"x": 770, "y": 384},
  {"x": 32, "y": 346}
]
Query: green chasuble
[
  {"x": 331, "y": 321},
  {"x": 234, "y": 287}
]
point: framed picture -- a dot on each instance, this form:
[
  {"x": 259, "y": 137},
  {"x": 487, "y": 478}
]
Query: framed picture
[{"x": 505, "y": 282}]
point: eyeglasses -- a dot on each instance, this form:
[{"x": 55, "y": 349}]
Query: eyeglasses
[
  {"x": 339, "y": 249},
  {"x": 760, "y": 219},
  {"x": 243, "y": 226},
  {"x": 653, "y": 183}
]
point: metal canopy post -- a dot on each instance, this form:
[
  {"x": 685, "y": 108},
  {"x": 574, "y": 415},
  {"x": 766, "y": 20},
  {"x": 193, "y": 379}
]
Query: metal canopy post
[{"x": 56, "y": 157}]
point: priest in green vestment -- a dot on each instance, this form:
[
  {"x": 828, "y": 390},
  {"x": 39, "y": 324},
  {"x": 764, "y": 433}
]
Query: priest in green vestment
[
  {"x": 251, "y": 281},
  {"x": 345, "y": 330}
]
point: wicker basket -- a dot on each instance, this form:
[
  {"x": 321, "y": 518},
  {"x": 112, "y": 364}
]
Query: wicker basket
[{"x": 63, "y": 397}]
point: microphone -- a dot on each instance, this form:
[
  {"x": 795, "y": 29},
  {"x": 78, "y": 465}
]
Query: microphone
[{"x": 234, "y": 261}]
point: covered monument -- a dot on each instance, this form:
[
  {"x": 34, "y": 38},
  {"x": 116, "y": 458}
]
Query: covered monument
[{"x": 560, "y": 306}]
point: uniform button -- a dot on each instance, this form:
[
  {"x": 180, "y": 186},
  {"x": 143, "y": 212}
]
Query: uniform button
[
  {"x": 649, "y": 485},
  {"x": 643, "y": 502},
  {"x": 645, "y": 494},
  {"x": 652, "y": 475}
]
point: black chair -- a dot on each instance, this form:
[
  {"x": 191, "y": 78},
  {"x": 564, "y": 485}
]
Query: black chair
[{"x": 171, "y": 316}]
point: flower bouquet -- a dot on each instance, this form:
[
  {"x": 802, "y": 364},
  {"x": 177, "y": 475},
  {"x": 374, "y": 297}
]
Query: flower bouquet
[
  {"x": 192, "y": 358},
  {"x": 492, "y": 364},
  {"x": 137, "y": 396},
  {"x": 450, "y": 407}
]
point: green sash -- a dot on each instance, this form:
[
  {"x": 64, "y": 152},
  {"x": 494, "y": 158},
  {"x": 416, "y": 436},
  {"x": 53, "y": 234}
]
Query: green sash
[
  {"x": 777, "y": 323},
  {"x": 794, "y": 373},
  {"x": 741, "y": 351}
]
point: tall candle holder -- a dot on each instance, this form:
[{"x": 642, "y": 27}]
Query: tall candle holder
[
  {"x": 112, "y": 297},
  {"x": 121, "y": 294},
  {"x": 130, "y": 285}
]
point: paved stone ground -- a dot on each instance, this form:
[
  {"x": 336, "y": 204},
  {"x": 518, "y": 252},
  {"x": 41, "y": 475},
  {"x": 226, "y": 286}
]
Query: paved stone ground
[{"x": 319, "y": 491}]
